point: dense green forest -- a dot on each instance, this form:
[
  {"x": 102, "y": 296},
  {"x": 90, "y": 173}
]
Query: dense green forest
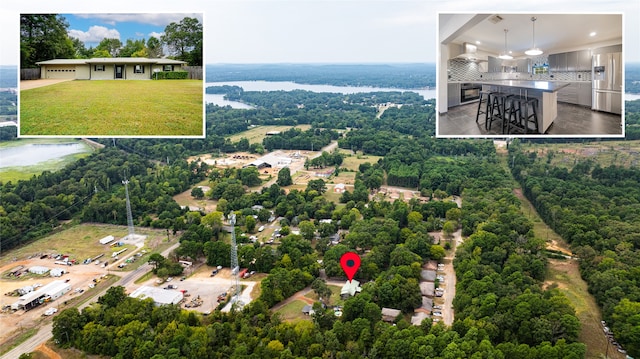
[
  {"x": 596, "y": 210},
  {"x": 500, "y": 268},
  {"x": 501, "y": 309}
]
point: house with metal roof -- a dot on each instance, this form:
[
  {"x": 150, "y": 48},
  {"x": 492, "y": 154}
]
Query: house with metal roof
[{"x": 107, "y": 68}]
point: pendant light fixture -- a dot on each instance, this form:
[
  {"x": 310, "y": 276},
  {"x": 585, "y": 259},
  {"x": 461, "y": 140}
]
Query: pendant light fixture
[
  {"x": 534, "y": 51},
  {"x": 505, "y": 55}
]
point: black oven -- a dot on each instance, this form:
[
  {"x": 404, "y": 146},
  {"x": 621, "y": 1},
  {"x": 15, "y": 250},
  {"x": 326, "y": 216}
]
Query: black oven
[{"x": 469, "y": 92}]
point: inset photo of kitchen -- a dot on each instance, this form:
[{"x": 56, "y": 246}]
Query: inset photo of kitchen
[{"x": 530, "y": 75}]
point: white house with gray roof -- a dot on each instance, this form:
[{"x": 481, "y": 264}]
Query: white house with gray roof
[{"x": 107, "y": 68}]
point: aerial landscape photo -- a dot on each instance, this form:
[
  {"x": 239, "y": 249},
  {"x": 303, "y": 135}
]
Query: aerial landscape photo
[{"x": 356, "y": 194}]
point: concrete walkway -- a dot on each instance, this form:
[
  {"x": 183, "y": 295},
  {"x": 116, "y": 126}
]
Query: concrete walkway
[{"x": 31, "y": 84}]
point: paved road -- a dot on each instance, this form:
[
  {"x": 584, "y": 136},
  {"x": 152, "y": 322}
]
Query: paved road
[{"x": 44, "y": 333}]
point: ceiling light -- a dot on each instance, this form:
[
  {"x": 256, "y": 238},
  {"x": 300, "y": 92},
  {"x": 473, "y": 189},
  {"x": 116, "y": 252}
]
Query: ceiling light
[
  {"x": 505, "y": 55},
  {"x": 534, "y": 51},
  {"x": 592, "y": 34},
  {"x": 477, "y": 42}
]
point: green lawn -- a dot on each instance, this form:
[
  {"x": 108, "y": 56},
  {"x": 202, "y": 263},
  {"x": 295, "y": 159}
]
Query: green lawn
[
  {"x": 258, "y": 133},
  {"x": 113, "y": 108}
]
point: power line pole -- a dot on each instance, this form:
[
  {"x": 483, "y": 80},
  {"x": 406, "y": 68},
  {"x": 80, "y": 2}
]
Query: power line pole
[
  {"x": 129, "y": 215},
  {"x": 235, "y": 267}
]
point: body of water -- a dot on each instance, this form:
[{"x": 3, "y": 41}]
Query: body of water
[
  {"x": 290, "y": 86},
  {"x": 35, "y": 153}
]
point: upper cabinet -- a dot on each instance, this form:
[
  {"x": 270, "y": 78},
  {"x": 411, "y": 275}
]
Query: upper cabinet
[
  {"x": 570, "y": 61},
  {"x": 494, "y": 64},
  {"x": 584, "y": 60},
  {"x": 523, "y": 65},
  {"x": 558, "y": 62}
]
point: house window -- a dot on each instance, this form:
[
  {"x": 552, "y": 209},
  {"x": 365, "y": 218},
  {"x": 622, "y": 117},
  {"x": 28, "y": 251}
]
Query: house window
[
  {"x": 138, "y": 69},
  {"x": 98, "y": 68},
  {"x": 168, "y": 68}
]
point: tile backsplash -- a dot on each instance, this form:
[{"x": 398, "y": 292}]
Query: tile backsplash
[{"x": 462, "y": 70}]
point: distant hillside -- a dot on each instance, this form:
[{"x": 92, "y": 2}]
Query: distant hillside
[{"x": 406, "y": 76}]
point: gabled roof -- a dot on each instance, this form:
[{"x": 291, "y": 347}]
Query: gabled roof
[{"x": 111, "y": 60}]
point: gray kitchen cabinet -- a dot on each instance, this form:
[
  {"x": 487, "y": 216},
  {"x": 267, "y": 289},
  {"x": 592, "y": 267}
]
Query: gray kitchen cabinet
[
  {"x": 558, "y": 62},
  {"x": 523, "y": 65},
  {"x": 453, "y": 94},
  {"x": 584, "y": 94},
  {"x": 572, "y": 60},
  {"x": 569, "y": 94},
  {"x": 584, "y": 60},
  {"x": 494, "y": 64}
]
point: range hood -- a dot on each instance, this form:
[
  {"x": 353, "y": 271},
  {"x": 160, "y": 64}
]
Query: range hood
[{"x": 469, "y": 52}]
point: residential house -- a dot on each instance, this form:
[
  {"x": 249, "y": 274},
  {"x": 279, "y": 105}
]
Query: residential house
[{"x": 107, "y": 68}]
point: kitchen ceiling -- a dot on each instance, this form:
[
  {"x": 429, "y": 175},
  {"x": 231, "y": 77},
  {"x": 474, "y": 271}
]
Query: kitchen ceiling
[{"x": 553, "y": 32}]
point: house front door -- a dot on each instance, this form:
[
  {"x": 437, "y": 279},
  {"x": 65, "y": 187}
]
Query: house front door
[{"x": 119, "y": 71}]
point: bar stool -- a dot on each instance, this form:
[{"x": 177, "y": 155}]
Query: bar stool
[
  {"x": 485, "y": 97},
  {"x": 499, "y": 110},
  {"x": 524, "y": 118}
]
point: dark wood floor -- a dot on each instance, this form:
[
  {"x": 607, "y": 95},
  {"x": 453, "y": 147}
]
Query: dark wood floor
[{"x": 572, "y": 120}]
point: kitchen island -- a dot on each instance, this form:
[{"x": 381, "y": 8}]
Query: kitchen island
[{"x": 545, "y": 91}]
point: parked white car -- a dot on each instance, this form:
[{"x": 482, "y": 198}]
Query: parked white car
[{"x": 50, "y": 311}]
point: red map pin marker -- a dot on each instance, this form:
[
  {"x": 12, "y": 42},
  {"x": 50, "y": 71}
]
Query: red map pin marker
[{"x": 350, "y": 263}]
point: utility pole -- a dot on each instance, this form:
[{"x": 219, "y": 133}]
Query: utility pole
[
  {"x": 235, "y": 267},
  {"x": 131, "y": 235}
]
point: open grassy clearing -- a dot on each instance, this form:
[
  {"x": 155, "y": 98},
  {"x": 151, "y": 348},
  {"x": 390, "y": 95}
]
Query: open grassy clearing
[
  {"x": 257, "y": 134},
  {"x": 604, "y": 153},
  {"x": 16, "y": 173},
  {"x": 353, "y": 162},
  {"x": 113, "y": 108},
  {"x": 81, "y": 242},
  {"x": 335, "y": 295},
  {"x": 293, "y": 311}
]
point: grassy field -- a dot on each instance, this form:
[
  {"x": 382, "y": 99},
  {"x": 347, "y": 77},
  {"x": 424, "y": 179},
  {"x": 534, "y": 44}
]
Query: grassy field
[
  {"x": 257, "y": 134},
  {"x": 16, "y": 173},
  {"x": 81, "y": 242},
  {"x": 353, "y": 162},
  {"x": 292, "y": 311},
  {"x": 604, "y": 153},
  {"x": 113, "y": 108}
]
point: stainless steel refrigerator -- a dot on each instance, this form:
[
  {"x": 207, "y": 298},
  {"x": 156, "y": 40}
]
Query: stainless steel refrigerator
[{"x": 607, "y": 82}]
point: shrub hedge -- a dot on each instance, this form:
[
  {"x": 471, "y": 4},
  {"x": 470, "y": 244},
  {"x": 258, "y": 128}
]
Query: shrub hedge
[{"x": 171, "y": 75}]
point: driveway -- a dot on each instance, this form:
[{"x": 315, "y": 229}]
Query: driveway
[{"x": 31, "y": 84}]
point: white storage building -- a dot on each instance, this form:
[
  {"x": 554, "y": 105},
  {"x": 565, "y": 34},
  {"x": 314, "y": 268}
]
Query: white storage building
[
  {"x": 51, "y": 291},
  {"x": 107, "y": 239},
  {"x": 159, "y": 296},
  {"x": 38, "y": 270}
]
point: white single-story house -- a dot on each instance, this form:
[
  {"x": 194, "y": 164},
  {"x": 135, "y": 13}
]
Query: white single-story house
[
  {"x": 350, "y": 289},
  {"x": 107, "y": 68}
]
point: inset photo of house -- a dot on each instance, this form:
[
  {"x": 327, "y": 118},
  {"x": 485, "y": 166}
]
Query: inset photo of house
[{"x": 111, "y": 75}]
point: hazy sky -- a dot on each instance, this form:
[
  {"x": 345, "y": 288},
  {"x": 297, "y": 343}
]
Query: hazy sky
[{"x": 298, "y": 31}]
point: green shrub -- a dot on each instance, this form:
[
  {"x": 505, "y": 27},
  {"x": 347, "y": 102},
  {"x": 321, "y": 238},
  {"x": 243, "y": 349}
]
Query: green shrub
[{"x": 171, "y": 75}]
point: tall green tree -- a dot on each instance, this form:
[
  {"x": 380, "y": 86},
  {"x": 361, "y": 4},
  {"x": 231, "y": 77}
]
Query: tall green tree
[
  {"x": 154, "y": 48},
  {"x": 184, "y": 40},
  {"x": 284, "y": 177},
  {"x": 112, "y": 46},
  {"x": 43, "y": 37}
]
